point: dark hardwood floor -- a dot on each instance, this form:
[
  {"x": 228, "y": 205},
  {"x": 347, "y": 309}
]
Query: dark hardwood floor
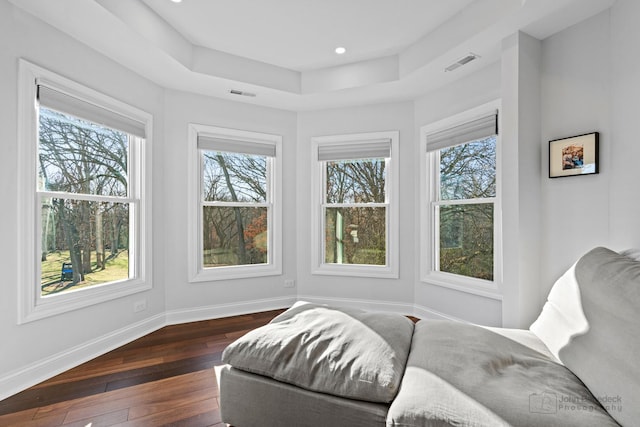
[{"x": 164, "y": 378}]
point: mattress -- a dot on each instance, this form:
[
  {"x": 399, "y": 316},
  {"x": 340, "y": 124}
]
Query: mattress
[{"x": 254, "y": 400}]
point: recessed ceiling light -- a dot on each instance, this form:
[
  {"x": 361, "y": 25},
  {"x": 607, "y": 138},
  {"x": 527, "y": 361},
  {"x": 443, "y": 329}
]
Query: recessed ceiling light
[
  {"x": 340, "y": 50},
  {"x": 177, "y": 1}
]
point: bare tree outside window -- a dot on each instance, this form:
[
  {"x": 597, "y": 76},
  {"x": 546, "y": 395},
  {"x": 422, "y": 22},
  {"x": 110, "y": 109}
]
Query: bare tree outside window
[
  {"x": 235, "y": 209},
  {"x": 355, "y": 212},
  {"x": 465, "y": 210},
  {"x": 91, "y": 237}
]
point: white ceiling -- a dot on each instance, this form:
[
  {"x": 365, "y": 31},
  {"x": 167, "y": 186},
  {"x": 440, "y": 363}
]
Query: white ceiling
[
  {"x": 283, "y": 50},
  {"x": 303, "y": 34}
]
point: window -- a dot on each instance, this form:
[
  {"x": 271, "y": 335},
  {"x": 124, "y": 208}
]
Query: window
[
  {"x": 462, "y": 206},
  {"x": 355, "y": 188},
  {"x": 83, "y": 159},
  {"x": 235, "y": 214}
]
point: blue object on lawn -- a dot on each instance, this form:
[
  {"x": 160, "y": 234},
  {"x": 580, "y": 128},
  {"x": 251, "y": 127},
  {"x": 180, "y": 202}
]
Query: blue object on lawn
[{"x": 67, "y": 271}]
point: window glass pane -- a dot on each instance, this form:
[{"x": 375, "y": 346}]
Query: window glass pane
[
  {"x": 355, "y": 235},
  {"x": 234, "y": 177},
  {"x": 234, "y": 236},
  {"x": 468, "y": 171},
  {"x": 356, "y": 181},
  {"x": 466, "y": 240},
  {"x": 83, "y": 244},
  {"x": 78, "y": 156}
]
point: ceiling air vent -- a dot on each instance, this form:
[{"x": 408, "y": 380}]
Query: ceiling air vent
[
  {"x": 462, "y": 61},
  {"x": 242, "y": 93}
]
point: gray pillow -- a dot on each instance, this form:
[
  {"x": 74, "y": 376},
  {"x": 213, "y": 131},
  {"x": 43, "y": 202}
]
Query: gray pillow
[
  {"x": 605, "y": 357},
  {"x": 343, "y": 352}
]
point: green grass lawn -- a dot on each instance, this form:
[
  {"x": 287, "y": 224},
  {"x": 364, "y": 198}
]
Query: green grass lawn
[{"x": 117, "y": 268}]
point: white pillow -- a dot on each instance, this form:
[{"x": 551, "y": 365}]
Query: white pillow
[
  {"x": 633, "y": 253},
  {"x": 601, "y": 341},
  {"x": 562, "y": 316}
]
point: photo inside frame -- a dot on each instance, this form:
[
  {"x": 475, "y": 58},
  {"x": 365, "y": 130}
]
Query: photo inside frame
[
  {"x": 572, "y": 156},
  {"x": 577, "y": 155}
]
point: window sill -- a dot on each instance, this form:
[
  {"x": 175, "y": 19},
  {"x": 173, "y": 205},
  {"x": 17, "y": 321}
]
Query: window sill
[
  {"x": 351, "y": 270},
  {"x": 468, "y": 285},
  {"x": 81, "y": 298},
  {"x": 234, "y": 272}
]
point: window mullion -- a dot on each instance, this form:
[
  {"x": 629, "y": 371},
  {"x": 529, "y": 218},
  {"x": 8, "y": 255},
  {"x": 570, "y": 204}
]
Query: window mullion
[
  {"x": 236, "y": 204},
  {"x": 37, "y": 285},
  {"x": 356, "y": 205},
  {"x": 435, "y": 210},
  {"x": 270, "y": 189},
  {"x": 388, "y": 170},
  {"x": 132, "y": 184},
  {"x": 86, "y": 197},
  {"x": 134, "y": 242},
  {"x": 435, "y": 171},
  {"x": 478, "y": 201}
]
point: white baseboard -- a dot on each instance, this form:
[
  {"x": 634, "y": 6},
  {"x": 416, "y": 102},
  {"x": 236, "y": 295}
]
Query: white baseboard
[
  {"x": 174, "y": 317},
  {"x": 429, "y": 313},
  {"x": 21, "y": 379},
  {"x": 369, "y": 305},
  {"x": 406, "y": 309},
  {"x": 34, "y": 373}
]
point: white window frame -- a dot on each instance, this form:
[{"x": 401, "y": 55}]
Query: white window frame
[
  {"x": 318, "y": 191},
  {"x": 429, "y": 186},
  {"x": 31, "y": 305},
  {"x": 196, "y": 271}
]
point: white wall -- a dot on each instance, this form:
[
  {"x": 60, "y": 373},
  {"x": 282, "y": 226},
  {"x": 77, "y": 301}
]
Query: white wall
[
  {"x": 192, "y": 301},
  {"x": 25, "y": 346},
  {"x": 624, "y": 200},
  {"x": 591, "y": 82},
  {"x": 576, "y": 99},
  {"x": 521, "y": 192},
  {"x": 383, "y": 294},
  {"x": 432, "y": 300}
]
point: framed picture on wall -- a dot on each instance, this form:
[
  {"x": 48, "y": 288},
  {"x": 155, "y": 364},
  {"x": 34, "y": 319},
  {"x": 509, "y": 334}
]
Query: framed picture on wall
[{"x": 576, "y": 155}]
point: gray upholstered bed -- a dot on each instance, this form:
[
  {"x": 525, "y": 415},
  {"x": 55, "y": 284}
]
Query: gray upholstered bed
[{"x": 321, "y": 366}]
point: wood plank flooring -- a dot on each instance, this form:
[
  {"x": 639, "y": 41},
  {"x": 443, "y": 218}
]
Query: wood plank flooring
[{"x": 164, "y": 378}]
